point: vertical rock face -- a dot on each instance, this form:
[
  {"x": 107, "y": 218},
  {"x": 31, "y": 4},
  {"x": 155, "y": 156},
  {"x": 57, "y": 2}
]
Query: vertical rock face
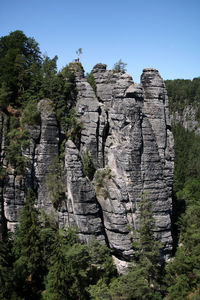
[
  {"x": 133, "y": 139},
  {"x": 127, "y": 132},
  {"x": 83, "y": 208}
]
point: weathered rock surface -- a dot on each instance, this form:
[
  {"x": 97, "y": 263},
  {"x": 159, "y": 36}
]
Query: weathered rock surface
[
  {"x": 83, "y": 208},
  {"x": 127, "y": 131},
  {"x": 187, "y": 119}
]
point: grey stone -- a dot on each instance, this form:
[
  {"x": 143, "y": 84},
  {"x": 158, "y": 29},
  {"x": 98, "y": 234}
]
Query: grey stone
[{"x": 126, "y": 129}]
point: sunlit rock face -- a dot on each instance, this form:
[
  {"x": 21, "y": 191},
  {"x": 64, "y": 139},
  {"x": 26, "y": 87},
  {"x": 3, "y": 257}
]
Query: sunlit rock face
[
  {"x": 127, "y": 129},
  {"x": 127, "y": 132}
]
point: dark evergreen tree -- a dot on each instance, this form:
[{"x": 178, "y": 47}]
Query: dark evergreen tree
[
  {"x": 68, "y": 270},
  {"x": 19, "y": 59},
  {"x": 57, "y": 280},
  {"x": 183, "y": 272},
  {"x": 102, "y": 262},
  {"x": 28, "y": 267},
  {"x": 143, "y": 278},
  {"x": 144, "y": 275},
  {"x": 5, "y": 272},
  {"x": 182, "y": 93}
]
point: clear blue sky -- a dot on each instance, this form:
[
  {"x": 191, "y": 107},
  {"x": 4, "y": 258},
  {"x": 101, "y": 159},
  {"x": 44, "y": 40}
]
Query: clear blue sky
[{"x": 164, "y": 34}]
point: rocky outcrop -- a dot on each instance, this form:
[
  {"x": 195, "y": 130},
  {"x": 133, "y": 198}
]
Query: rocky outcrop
[
  {"x": 187, "y": 119},
  {"x": 129, "y": 129},
  {"x": 127, "y": 133}
]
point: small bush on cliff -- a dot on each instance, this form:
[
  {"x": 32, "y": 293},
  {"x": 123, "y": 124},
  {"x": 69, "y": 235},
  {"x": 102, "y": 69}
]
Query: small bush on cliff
[
  {"x": 17, "y": 139},
  {"x": 73, "y": 127},
  {"x": 88, "y": 166},
  {"x": 55, "y": 183},
  {"x": 101, "y": 181},
  {"x": 91, "y": 81}
]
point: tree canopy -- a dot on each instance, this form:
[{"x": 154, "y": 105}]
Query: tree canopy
[{"x": 20, "y": 57}]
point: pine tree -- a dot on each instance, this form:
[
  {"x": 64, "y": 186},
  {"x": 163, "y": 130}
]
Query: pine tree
[
  {"x": 120, "y": 66},
  {"x": 28, "y": 267},
  {"x": 57, "y": 279},
  {"x": 68, "y": 270},
  {"x": 147, "y": 253},
  {"x": 142, "y": 279}
]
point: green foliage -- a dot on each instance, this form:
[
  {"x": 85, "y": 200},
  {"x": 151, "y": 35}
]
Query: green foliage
[
  {"x": 91, "y": 81},
  {"x": 2, "y": 174},
  {"x": 17, "y": 139},
  {"x": 73, "y": 127},
  {"x": 102, "y": 271},
  {"x": 73, "y": 267},
  {"x": 64, "y": 96},
  {"x": 187, "y": 160},
  {"x": 132, "y": 286},
  {"x": 88, "y": 166},
  {"x": 57, "y": 279},
  {"x": 183, "y": 273},
  {"x": 101, "y": 262},
  {"x": 55, "y": 183},
  {"x": 183, "y": 92},
  {"x": 120, "y": 66},
  {"x": 102, "y": 178},
  {"x": 30, "y": 114},
  {"x": 67, "y": 277},
  {"x": 5, "y": 95},
  {"x": 76, "y": 67},
  {"x": 146, "y": 249},
  {"x": 18, "y": 57},
  {"x": 143, "y": 278},
  {"x": 27, "y": 238},
  {"x": 99, "y": 291},
  {"x": 183, "y": 270},
  {"x": 5, "y": 272},
  {"x": 49, "y": 82},
  {"x": 25, "y": 75},
  {"x": 187, "y": 166},
  {"x": 28, "y": 267}
]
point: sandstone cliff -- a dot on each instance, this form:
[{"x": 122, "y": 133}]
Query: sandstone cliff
[
  {"x": 187, "y": 119},
  {"x": 127, "y": 133}
]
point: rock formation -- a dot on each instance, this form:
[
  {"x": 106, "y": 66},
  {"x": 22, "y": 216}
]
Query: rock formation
[
  {"x": 127, "y": 133},
  {"x": 187, "y": 119}
]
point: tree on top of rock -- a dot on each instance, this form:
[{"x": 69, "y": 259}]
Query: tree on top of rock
[{"x": 120, "y": 66}]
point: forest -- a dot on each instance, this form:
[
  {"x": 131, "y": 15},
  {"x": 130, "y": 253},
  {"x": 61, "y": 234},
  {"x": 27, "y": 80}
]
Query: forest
[{"x": 43, "y": 261}]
